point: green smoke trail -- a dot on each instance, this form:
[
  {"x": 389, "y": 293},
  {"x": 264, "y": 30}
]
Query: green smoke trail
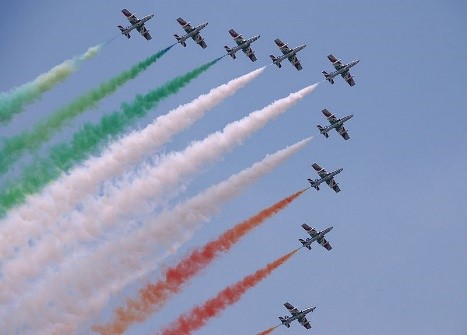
[
  {"x": 31, "y": 140},
  {"x": 14, "y": 101},
  {"x": 89, "y": 140}
]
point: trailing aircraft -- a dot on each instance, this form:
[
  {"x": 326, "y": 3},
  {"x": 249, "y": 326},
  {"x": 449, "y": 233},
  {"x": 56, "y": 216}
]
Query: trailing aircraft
[
  {"x": 296, "y": 315},
  {"x": 326, "y": 177},
  {"x": 288, "y": 53},
  {"x": 336, "y": 123},
  {"x": 341, "y": 69},
  {"x": 242, "y": 44},
  {"x": 191, "y": 32},
  {"x": 315, "y": 236}
]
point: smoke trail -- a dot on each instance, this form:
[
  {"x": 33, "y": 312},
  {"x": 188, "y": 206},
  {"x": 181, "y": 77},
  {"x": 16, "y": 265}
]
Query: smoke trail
[
  {"x": 268, "y": 331},
  {"x": 64, "y": 194},
  {"x": 13, "y": 102},
  {"x": 15, "y": 146},
  {"x": 88, "y": 140},
  {"x": 154, "y": 296},
  {"x": 199, "y": 315},
  {"x": 82, "y": 286}
]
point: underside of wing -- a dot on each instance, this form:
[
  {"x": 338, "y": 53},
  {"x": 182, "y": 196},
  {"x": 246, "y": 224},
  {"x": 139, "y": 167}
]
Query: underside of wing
[
  {"x": 284, "y": 48},
  {"x": 185, "y": 25},
  {"x": 311, "y": 231},
  {"x": 332, "y": 184},
  {"x": 143, "y": 31},
  {"x": 304, "y": 322},
  {"x": 343, "y": 132},
  {"x": 293, "y": 310},
  {"x": 331, "y": 118},
  {"x": 295, "y": 62},
  {"x": 348, "y": 78},
  {"x": 131, "y": 17},
  {"x": 199, "y": 40},
  {"x": 250, "y": 53},
  {"x": 321, "y": 172},
  {"x": 335, "y": 62},
  {"x": 325, "y": 243},
  {"x": 237, "y": 37}
]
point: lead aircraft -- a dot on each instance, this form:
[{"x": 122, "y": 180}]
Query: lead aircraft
[
  {"x": 296, "y": 315},
  {"x": 136, "y": 23}
]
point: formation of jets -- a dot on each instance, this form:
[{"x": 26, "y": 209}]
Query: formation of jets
[{"x": 244, "y": 45}]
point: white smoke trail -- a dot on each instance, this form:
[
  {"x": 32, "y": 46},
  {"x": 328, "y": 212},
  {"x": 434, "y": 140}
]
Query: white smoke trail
[
  {"x": 42, "y": 211},
  {"x": 84, "y": 285},
  {"x": 13, "y": 102}
]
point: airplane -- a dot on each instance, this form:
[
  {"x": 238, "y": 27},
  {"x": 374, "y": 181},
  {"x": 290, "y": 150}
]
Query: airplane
[
  {"x": 136, "y": 23},
  {"x": 242, "y": 44},
  {"x": 325, "y": 177},
  {"x": 315, "y": 236},
  {"x": 191, "y": 32},
  {"x": 341, "y": 69},
  {"x": 296, "y": 315},
  {"x": 337, "y": 124},
  {"x": 288, "y": 53}
]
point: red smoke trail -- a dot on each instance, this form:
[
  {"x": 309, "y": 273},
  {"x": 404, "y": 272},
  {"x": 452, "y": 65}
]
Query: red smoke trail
[
  {"x": 199, "y": 315},
  {"x": 268, "y": 331},
  {"x": 154, "y": 296}
]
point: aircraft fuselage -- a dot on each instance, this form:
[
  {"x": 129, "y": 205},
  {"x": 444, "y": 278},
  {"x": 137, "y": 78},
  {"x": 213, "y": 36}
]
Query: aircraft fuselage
[
  {"x": 318, "y": 237},
  {"x": 291, "y": 53},
  {"x": 244, "y": 45},
  {"x": 195, "y": 31},
  {"x": 344, "y": 69},
  {"x": 286, "y": 320},
  {"x": 336, "y": 124},
  {"x": 138, "y": 24}
]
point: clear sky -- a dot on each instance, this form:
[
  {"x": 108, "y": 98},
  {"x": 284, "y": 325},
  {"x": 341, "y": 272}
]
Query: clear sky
[{"x": 398, "y": 264}]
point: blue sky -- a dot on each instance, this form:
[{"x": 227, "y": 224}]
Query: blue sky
[{"x": 398, "y": 263}]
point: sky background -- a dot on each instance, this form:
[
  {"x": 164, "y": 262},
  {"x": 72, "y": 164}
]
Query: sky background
[{"x": 398, "y": 264}]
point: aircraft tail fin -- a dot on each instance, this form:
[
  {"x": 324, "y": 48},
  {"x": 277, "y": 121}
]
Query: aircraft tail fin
[
  {"x": 283, "y": 320},
  {"x": 321, "y": 131},
  {"x": 313, "y": 184},
  {"x": 304, "y": 242},
  {"x": 274, "y": 60},
  {"x": 328, "y": 77},
  {"x": 123, "y": 31},
  {"x": 229, "y": 52},
  {"x": 179, "y": 39}
]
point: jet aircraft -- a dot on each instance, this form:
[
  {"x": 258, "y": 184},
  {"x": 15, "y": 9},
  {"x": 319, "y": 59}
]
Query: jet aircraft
[
  {"x": 341, "y": 69},
  {"x": 315, "y": 236},
  {"x": 325, "y": 177},
  {"x": 288, "y": 53},
  {"x": 136, "y": 23},
  {"x": 296, "y": 315},
  {"x": 242, "y": 44},
  {"x": 337, "y": 124},
  {"x": 191, "y": 32}
]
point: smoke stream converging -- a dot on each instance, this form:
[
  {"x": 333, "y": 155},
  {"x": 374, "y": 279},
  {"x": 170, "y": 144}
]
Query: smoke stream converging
[
  {"x": 153, "y": 297},
  {"x": 41, "y": 211},
  {"x": 88, "y": 141},
  {"x": 199, "y": 315},
  {"x": 30, "y": 141},
  {"x": 14, "y": 101},
  {"x": 84, "y": 284}
]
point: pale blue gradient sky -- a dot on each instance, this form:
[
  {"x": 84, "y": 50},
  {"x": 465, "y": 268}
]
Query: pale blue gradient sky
[{"x": 398, "y": 264}]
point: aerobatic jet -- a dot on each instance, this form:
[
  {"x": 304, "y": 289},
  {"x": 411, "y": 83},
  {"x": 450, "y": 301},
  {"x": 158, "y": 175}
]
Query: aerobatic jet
[
  {"x": 336, "y": 123},
  {"x": 341, "y": 69},
  {"x": 296, "y": 315},
  {"x": 242, "y": 44},
  {"x": 326, "y": 177},
  {"x": 191, "y": 32},
  {"x": 315, "y": 236},
  {"x": 136, "y": 23},
  {"x": 288, "y": 53}
]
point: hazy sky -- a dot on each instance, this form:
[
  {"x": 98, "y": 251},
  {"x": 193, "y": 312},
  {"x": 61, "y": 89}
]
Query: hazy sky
[{"x": 398, "y": 260}]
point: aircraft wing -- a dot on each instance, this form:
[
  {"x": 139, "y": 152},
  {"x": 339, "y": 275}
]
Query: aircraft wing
[
  {"x": 284, "y": 48},
  {"x": 321, "y": 172},
  {"x": 250, "y": 53},
  {"x": 348, "y": 78},
  {"x": 332, "y": 184},
  {"x": 324, "y": 243},
  {"x": 343, "y": 132},
  {"x": 237, "y": 37},
  {"x": 295, "y": 62},
  {"x": 304, "y": 322},
  {"x": 131, "y": 17},
  {"x": 331, "y": 118},
  {"x": 337, "y": 63},
  {"x": 311, "y": 231},
  {"x": 293, "y": 310},
  {"x": 185, "y": 25},
  {"x": 199, "y": 40},
  {"x": 143, "y": 31}
]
